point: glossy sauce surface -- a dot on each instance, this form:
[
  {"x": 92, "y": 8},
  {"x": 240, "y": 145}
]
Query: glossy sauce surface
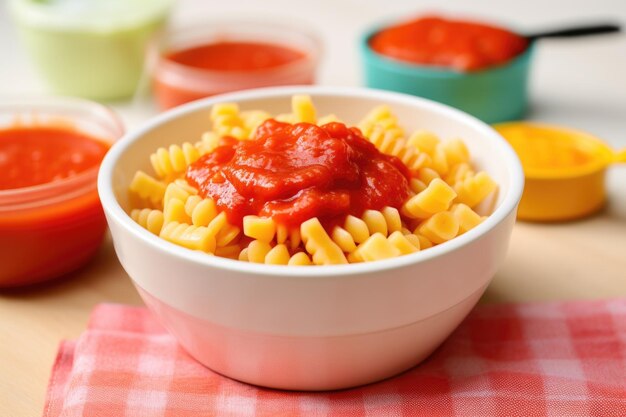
[
  {"x": 229, "y": 66},
  {"x": 37, "y": 155},
  {"x": 55, "y": 234},
  {"x": 235, "y": 56},
  {"x": 456, "y": 44},
  {"x": 295, "y": 172}
]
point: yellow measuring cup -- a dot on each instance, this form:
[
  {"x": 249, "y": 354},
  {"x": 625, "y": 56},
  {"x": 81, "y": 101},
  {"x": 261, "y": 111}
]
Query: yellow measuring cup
[{"x": 564, "y": 170}]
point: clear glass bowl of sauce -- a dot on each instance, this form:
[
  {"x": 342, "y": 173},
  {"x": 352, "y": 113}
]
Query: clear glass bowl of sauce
[
  {"x": 51, "y": 220},
  {"x": 228, "y": 55}
]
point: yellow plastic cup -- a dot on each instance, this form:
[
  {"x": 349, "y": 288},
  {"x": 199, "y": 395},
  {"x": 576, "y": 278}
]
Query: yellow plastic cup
[{"x": 564, "y": 170}]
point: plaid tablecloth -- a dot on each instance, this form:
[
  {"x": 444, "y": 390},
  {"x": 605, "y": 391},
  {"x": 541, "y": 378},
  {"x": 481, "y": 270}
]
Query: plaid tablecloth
[{"x": 557, "y": 359}]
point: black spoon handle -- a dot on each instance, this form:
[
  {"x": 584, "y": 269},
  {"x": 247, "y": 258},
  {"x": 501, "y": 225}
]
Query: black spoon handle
[{"x": 575, "y": 31}]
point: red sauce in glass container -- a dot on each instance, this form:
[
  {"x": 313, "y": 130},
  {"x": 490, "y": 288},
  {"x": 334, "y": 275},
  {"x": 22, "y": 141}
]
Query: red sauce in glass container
[
  {"x": 51, "y": 220},
  {"x": 235, "y": 56},
  {"x": 295, "y": 172},
  {"x": 38, "y": 155},
  {"x": 456, "y": 44},
  {"x": 199, "y": 71}
]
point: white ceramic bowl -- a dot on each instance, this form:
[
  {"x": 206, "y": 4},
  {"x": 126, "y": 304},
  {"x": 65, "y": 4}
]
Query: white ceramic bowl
[{"x": 311, "y": 328}]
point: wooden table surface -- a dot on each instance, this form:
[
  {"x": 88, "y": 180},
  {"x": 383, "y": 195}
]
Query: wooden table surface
[{"x": 579, "y": 260}]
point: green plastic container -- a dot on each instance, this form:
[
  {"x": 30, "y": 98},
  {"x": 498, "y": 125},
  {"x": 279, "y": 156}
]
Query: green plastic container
[
  {"x": 90, "y": 48},
  {"x": 493, "y": 95}
]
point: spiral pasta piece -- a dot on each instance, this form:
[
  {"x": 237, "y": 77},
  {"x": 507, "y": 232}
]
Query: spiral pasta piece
[
  {"x": 466, "y": 217},
  {"x": 230, "y": 251},
  {"x": 379, "y": 116},
  {"x": 183, "y": 184},
  {"x": 200, "y": 210},
  {"x": 303, "y": 108},
  {"x": 175, "y": 191},
  {"x": 260, "y": 228},
  {"x": 278, "y": 255},
  {"x": 392, "y": 219},
  {"x": 257, "y": 251},
  {"x": 282, "y": 233},
  {"x": 343, "y": 239},
  {"x": 317, "y": 242},
  {"x": 439, "y": 161},
  {"x": 456, "y": 152},
  {"x": 173, "y": 160},
  {"x": 224, "y": 109},
  {"x": 439, "y": 228},
  {"x": 227, "y": 121},
  {"x": 435, "y": 198},
  {"x": 458, "y": 173},
  {"x": 388, "y": 141},
  {"x": 414, "y": 240},
  {"x": 149, "y": 219},
  {"x": 218, "y": 224},
  {"x": 375, "y": 222},
  {"x": 376, "y": 247},
  {"x": 252, "y": 119},
  {"x": 300, "y": 259},
  {"x": 227, "y": 234},
  {"x": 174, "y": 211},
  {"x": 189, "y": 236},
  {"x": 382, "y": 129},
  {"x": 357, "y": 228},
  {"x": 208, "y": 142},
  {"x": 294, "y": 238},
  {"x": 475, "y": 189},
  {"x": 425, "y": 141},
  {"x": 424, "y": 242},
  {"x": 412, "y": 158},
  {"x": 403, "y": 243},
  {"x": 147, "y": 187},
  {"x": 417, "y": 186},
  {"x": 427, "y": 175}
]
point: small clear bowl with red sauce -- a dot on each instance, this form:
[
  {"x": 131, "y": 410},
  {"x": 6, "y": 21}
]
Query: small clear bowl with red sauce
[
  {"x": 480, "y": 68},
  {"x": 51, "y": 219},
  {"x": 229, "y": 55}
]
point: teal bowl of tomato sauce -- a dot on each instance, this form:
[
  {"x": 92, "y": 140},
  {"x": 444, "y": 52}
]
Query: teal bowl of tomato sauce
[
  {"x": 51, "y": 219},
  {"x": 475, "y": 67}
]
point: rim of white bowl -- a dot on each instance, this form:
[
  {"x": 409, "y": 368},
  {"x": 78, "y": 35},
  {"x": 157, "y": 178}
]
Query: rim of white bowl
[{"x": 114, "y": 209}]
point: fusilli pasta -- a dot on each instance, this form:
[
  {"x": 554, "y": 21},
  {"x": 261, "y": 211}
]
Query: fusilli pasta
[{"x": 443, "y": 191}]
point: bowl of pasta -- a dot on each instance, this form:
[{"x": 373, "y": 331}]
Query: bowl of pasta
[{"x": 311, "y": 238}]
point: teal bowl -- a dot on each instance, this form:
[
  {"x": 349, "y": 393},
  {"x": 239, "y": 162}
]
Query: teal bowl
[{"x": 493, "y": 95}]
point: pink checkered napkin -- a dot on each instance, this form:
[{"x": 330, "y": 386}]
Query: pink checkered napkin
[{"x": 560, "y": 359}]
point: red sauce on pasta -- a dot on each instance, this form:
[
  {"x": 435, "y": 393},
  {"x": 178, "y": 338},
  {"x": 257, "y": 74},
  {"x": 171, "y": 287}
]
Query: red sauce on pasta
[
  {"x": 295, "y": 172},
  {"x": 37, "y": 155},
  {"x": 462, "y": 45}
]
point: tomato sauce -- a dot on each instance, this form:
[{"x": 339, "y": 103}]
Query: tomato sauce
[
  {"x": 461, "y": 45},
  {"x": 235, "y": 56},
  {"x": 34, "y": 156},
  {"x": 295, "y": 172},
  {"x": 226, "y": 66},
  {"x": 49, "y": 230}
]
